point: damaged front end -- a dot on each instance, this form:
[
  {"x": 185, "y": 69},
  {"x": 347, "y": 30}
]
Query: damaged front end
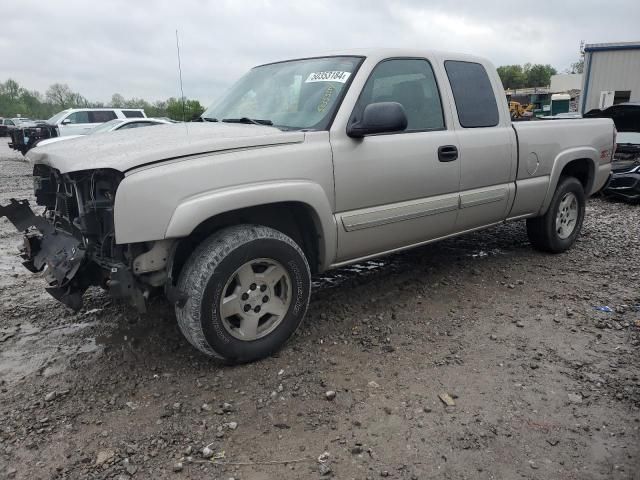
[
  {"x": 624, "y": 181},
  {"x": 73, "y": 241},
  {"x": 25, "y": 138}
]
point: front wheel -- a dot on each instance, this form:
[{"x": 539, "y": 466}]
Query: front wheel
[
  {"x": 557, "y": 230},
  {"x": 248, "y": 289}
]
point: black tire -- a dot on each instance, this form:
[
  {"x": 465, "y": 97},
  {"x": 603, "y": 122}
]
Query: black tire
[
  {"x": 542, "y": 230},
  {"x": 208, "y": 270}
]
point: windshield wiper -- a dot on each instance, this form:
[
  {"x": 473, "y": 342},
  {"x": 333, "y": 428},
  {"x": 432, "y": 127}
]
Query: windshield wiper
[
  {"x": 207, "y": 119},
  {"x": 248, "y": 120}
]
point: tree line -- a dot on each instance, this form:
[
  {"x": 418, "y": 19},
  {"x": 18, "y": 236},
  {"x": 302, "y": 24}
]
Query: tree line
[
  {"x": 527, "y": 75},
  {"x": 19, "y": 101},
  {"x": 16, "y": 100}
]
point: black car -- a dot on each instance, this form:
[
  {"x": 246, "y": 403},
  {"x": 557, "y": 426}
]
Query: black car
[{"x": 624, "y": 181}]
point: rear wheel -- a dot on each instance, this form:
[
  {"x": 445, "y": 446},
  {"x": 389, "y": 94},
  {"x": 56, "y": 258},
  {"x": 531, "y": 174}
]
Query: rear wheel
[
  {"x": 557, "y": 230},
  {"x": 248, "y": 290}
]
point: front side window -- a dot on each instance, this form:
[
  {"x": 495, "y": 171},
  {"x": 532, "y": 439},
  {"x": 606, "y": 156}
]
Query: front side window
[
  {"x": 298, "y": 94},
  {"x": 473, "y": 94},
  {"x": 101, "y": 116},
  {"x": 409, "y": 82},
  {"x": 78, "y": 117}
]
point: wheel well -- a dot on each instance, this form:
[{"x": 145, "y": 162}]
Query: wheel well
[
  {"x": 296, "y": 220},
  {"x": 581, "y": 169}
]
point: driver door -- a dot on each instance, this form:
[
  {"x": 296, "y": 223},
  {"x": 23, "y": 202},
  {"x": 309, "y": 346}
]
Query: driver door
[
  {"x": 76, "y": 123},
  {"x": 396, "y": 190}
]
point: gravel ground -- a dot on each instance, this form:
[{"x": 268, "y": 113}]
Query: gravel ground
[{"x": 542, "y": 385}]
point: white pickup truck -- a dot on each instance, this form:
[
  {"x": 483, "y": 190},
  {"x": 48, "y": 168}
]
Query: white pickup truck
[{"x": 304, "y": 165}]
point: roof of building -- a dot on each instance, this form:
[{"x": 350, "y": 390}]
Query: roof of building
[{"x": 595, "y": 47}]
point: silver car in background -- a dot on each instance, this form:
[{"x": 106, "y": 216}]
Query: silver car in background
[{"x": 111, "y": 126}]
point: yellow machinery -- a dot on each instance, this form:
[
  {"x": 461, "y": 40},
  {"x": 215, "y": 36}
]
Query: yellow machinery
[{"x": 518, "y": 111}]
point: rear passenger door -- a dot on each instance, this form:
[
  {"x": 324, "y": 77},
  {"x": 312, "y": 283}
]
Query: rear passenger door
[{"x": 488, "y": 156}]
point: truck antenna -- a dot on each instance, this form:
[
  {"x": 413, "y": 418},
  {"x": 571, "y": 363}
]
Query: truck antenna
[{"x": 180, "y": 75}]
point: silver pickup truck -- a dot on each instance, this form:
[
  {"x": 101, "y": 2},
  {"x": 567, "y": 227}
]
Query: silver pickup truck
[{"x": 304, "y": 165}]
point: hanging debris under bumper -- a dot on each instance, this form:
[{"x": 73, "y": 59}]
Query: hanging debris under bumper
[{"x": 60, "y": 252}]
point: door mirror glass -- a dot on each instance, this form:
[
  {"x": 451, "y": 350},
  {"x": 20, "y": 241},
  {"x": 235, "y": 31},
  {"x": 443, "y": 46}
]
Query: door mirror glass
[{"x": 380, "y": 117}]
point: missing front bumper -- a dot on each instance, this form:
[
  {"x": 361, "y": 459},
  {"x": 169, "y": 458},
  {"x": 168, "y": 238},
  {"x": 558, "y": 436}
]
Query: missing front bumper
[{"x": 68, "y": 267}]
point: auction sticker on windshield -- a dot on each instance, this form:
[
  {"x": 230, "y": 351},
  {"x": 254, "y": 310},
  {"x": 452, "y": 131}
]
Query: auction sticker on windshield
[{"x": 331, "y": 76}]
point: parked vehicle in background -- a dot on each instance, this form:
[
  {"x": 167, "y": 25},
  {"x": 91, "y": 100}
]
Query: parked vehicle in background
[
  {"x": 73, "y": 121},
  {"x": 78, "y": 121},
  {"x": 23, "y": 136},
  {"x": 110, "y": 126},
  {"x": 624, "y": 181},
  {"x": 5, "y": 123},
  {"x": 304, "y": 165},
  {"x": 625, "y": 175},
  {"x": 19, "y": 121}
]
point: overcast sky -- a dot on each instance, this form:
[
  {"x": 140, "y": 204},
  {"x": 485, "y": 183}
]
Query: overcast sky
[{"x": 101, "y": 47}]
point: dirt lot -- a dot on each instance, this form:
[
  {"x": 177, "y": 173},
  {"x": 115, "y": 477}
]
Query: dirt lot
[{"x": 544, "y": 385}]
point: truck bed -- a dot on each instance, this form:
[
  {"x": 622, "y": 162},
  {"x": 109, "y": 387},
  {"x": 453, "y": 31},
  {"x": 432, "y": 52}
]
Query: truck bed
[{"x": 542, "y": 146}]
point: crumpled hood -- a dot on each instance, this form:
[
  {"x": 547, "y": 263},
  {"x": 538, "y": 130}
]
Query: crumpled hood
[{"x": 127, "y": 149}]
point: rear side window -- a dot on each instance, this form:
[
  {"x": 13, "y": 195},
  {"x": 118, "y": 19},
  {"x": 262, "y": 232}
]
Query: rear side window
[
  {"x": 473, "y": 94},
  {"x": 101, "y": 116},
  {"x": 132, "y": 114}
]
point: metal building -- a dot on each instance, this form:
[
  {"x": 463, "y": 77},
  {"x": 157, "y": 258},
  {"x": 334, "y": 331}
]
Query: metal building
[{"x": 611, "y": 75}]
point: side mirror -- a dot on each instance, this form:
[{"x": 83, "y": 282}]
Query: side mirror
[
  {"x": 66, "y": 121},
  {"x": 381, "y": 117}
]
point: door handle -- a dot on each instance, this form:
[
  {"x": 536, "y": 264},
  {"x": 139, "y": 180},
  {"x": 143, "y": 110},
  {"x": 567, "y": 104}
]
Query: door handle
[{"x": 447, "y": 153}]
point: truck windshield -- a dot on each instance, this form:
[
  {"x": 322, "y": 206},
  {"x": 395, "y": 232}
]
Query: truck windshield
[
  {"x": 298, "y": 94},
  {"x": 53, "y": 120}
]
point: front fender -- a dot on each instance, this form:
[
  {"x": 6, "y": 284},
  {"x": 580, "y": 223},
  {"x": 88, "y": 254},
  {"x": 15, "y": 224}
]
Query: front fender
[
  {"x": 195, "y": 210},
  {"x": 170, "y": 199},
  {"x": 589, "y": 154}
]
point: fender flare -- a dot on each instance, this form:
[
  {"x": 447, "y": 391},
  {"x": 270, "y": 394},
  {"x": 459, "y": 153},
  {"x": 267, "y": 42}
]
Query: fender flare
[
  {"x": 589, "y": 154},
  {"x": 194, "y": 210}
]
